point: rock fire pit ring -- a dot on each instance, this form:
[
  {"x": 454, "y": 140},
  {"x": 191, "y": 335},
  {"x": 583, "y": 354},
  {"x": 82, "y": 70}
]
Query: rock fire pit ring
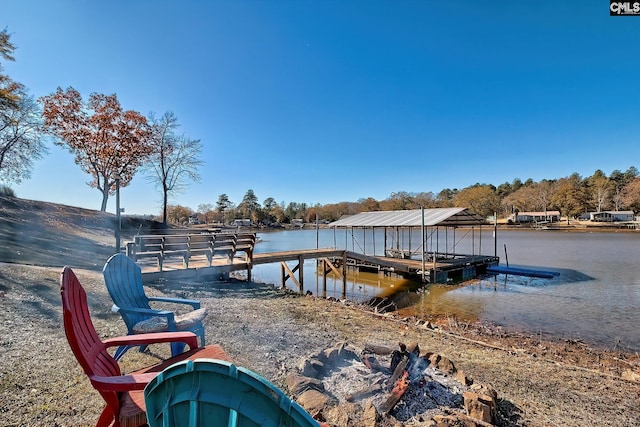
[{"x": 381, "y": 386}]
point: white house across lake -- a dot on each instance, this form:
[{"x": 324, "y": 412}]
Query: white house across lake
[
  {"x": 529, "y": 217},
  {"x": 612, "y": 216}
]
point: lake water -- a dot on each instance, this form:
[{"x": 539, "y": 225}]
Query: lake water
[{"x": 596, "y": 297}]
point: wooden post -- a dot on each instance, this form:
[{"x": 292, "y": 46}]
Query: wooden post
[
  {"x": 364, "y": 240},
  {"x": 423, "y": 244},
  {"x": 301, "y": 273},
  {"x": 385, "y": 242},
  {"x": 344, "y": 274},
  {"x": 324, "y": 277},
  {"x": 495, "y": 234},
  {"x": 374, "y": 240},
  {"x": 435, "y": 257}
]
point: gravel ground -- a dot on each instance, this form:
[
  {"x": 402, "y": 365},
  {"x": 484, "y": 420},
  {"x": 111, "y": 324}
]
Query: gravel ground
[
  {"x": 270, "y": 331},
  {"x": 539, "y": 383}
]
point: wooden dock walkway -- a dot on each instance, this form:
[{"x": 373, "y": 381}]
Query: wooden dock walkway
[{"x": 336, "y": 261}]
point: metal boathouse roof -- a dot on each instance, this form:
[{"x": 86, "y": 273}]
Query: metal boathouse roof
[{"x": 447, "y": 217}]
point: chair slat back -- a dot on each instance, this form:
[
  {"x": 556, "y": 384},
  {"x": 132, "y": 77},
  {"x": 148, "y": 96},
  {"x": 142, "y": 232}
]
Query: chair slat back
[
  {"x": 215, "y": 392},
  {"x": 123, "y": 278},
  {"x": 81, "y": 334}
]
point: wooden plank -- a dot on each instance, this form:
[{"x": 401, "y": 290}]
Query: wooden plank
[{"x": 290, "y": 274}]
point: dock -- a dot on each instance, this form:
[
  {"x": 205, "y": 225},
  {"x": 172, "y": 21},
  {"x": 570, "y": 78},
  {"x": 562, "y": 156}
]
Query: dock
[
  {"x": 330, "y": 261},
  {"x": 427, "y": 234}
]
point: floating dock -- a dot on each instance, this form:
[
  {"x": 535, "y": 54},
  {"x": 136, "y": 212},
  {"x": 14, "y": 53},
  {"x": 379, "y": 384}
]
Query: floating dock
[{"x": 517, "y": 271}]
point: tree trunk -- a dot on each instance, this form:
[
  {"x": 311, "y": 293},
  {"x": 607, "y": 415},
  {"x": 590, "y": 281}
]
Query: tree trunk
[
  {"x": 105, "y": 199},
  {"x": 164, "y": 206}
]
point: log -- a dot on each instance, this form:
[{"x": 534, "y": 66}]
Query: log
[
  {"x": 364, "y": 393},
  {"x": 377, "y": 349},
  {"x": 396, "y": 394}
]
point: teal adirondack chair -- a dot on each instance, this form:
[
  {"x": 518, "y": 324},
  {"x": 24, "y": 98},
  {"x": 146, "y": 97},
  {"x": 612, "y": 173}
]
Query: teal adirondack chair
[
  {"x": 210, "y": 392},
  {"x": 123, "y": 278}
]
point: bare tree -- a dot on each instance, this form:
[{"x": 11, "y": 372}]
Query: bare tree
[
  {"x": 599, "y": 187},
  {"x": 206, "y": 210},
  {"x": 21, "y": 139},
  {"x": 21, "y": 132},
  {"x": 175, "y": 159}
]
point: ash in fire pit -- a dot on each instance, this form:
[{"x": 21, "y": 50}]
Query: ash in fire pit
[{"x": 400, "y": 384}]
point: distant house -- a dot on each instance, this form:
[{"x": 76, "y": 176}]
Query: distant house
[
  {"x": 241, "y": 223},
  {"x": 528, "y": 217},
  {"x": 612, "y": 216},
  {"x": 297, "y": 222}
]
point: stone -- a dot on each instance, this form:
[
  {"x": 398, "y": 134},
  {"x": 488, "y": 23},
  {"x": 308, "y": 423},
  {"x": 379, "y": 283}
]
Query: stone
[
  {"x": 485, "y": 389},
  {"x": 442, "y": 363},
  {"x": 457, "y": 420},
  {"x": 475, "y": 407},
  {"x": 298, "y": 384},
  {"x": 332, "y": 354},
  {"x": 414, "y": 348},
  {"x": 480, "y": 402},
  {"x": 463, "y": 378},
  {"x": 344, "y": 415},
  {"x": 370, "y": 416},
  {"x": 377, "y": 349},
  {"x": 307, "y": 368},
  {"x": 317, "y": 364},
  {"x": 314, "y": 401}
]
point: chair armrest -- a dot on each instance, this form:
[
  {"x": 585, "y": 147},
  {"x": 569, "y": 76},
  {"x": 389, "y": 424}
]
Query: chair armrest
[
  {"x": 169, "y": 315},
  {"x": 149, "y": 311},
  {"x": 122, "y": 382},
  {"x": 188, "y": 338},
  {"x": 193, "y": 303}
]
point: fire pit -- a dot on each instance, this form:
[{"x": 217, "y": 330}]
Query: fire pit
[{"x": 387, "y": 386}]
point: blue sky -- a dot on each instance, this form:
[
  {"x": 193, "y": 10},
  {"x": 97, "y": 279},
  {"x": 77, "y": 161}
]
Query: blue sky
[{"x": 329, "y": 101}]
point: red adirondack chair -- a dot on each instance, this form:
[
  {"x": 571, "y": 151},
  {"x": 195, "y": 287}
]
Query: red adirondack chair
[{"x": 123, "y": 393}]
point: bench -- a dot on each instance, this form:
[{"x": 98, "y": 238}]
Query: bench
[
  {"x": 245, "y": 243},
  {"x": 146, "y": 247},
  {"x": 224, "y": 244},
  {"x": 201, "y": 244},
  {"x": 176, "y": 246},
  {"x": 186, "y": 246}
]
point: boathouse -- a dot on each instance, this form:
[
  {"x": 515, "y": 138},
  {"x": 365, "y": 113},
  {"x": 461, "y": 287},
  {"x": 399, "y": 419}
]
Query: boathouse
[{"x": 442, "y": 244}]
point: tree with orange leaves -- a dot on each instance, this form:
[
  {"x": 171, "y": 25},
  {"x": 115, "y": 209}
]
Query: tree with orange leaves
[{"x": 108, "y": 142}]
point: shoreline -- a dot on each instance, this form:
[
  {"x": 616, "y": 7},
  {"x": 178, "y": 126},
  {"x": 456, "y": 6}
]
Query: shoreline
[{"x": 579, "y": 228}]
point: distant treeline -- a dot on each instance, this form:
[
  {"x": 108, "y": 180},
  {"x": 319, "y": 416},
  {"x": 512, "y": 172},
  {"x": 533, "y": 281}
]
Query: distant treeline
[{"x": 572, "y": 196}]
